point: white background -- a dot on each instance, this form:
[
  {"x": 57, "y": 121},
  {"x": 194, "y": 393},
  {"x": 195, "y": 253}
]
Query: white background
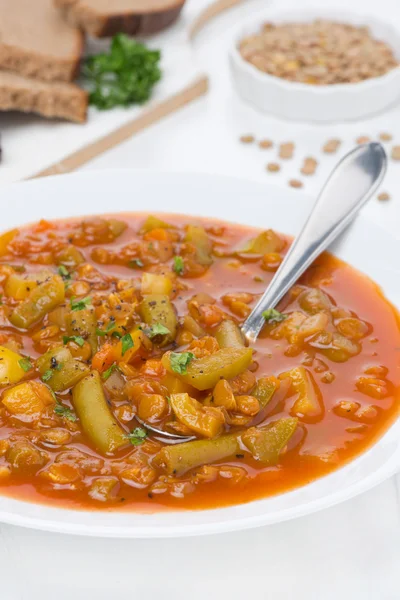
[{"x": 349, "y": 552}]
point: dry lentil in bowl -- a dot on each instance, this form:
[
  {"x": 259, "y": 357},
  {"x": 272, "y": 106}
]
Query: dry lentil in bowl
[{"x": 321, "y": 52}]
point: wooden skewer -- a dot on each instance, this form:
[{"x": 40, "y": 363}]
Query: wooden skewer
[{"x": 195, "y": 90}]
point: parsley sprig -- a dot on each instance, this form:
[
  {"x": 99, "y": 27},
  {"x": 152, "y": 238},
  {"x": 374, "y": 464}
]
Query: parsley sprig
[
  {"x": 180, "y": 361},
  {"x": 271, "y": 315},
  {"x": 123, "y": 76},
  {"x": 137, "y": 436}
]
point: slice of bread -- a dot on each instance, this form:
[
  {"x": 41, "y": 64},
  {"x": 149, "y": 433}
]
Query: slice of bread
[
  {"x": 35, "y": 41},
  {"x": 103, "y": 18},
  {"x": 50, "y": 99}
]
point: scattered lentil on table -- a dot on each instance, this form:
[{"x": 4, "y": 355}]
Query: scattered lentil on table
[
  {"x": 309, "y": 166},
  {"x": 331, "y": 146},
  {"x": 383, "y": 196},
  {"x": 295, "y": 183},
  {"x": 273, "y": 167},
  {"x": 247, "y": 139},
  {"x": 286, "y": 150},
  {"x": 265, "y": 144},
  {"x": 363, "y": 139},
  {"x": 396, "y": 153},
  {"x": 385, "y": 137}
]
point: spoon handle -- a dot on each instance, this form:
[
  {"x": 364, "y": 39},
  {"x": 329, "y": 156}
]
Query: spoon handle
[{"x": 350, "y": 185}]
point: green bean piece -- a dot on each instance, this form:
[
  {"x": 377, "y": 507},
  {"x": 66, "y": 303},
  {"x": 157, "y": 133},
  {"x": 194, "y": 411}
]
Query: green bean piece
[
  {"x": 266, "y": 444},
  {"x": 95, "y": 416},
  {"x": 70, "y": 256},
  {"x": 60, "y": 370},
  {"x": 42, "y": 299},
  {"x": 83, "y": 323},
  {"x": 229, "y": 335},
  {"x": 179, "y": 458},
  {"x": 154, "y": 223},
  {"x": 198, "y": 237},
  {"x": 266, "y": 242},
  {"x": 158, "y": 309},
  {"x": 265, "y": 389},
  {"x": 204, "y": 373}
]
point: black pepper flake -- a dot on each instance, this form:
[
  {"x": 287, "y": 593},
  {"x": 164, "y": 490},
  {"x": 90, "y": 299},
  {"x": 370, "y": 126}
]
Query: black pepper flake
[
  {"x": 53, "y": 362},
  {"x": 150, "y": 495},
  {"x": 239, "y": 455}
]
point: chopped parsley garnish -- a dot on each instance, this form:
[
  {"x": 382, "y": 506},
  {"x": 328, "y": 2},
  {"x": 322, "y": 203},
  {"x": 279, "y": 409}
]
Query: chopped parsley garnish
[
  {"x": 156, "y": 329},
  {"x": 137, "y": 436},
  {"x": 123, "y": 76},
  {"x": 127, "y": 343},
  {"x": 78, "y": 339},
  {"x": 109, "y": 371},
  {"x": 110, "y": 327},
  {"x": 63, "y": 271},
  {"x": 273, "y": 316},
  {"x": 64, "y": 411},
  {"x": 179, "y": 265},
  {"x": 80, "y": 304},
  {"x": 25, "y": 364},
  {"x": 47, "y": 375},
  {"x": 180, "y": 361},
  {"x": 135, "y": 263}
]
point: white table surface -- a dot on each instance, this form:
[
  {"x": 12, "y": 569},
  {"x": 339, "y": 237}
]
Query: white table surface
[{"x": 348, "y": 552}]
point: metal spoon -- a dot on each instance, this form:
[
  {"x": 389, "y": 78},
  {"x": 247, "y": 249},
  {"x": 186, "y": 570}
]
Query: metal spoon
[{"x": 352, "y": 182}]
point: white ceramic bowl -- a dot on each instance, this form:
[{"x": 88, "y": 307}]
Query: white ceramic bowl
[
  {"x": 365, "y": 245},
  {"x": 304, "y": 102}
]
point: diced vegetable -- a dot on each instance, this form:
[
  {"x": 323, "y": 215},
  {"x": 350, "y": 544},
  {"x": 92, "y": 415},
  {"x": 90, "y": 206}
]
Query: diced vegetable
[
  {"x": 192, "y": 325},
  {"x": 312, "y": 325},
  {"x": 223, "y": 395},
  {"x": 28, "y": 400},
  {"x": 60, "y": 370},
  {"x": 265, "y": 389},
  {"x": 11, "y": 370},
  {"x": 19, "y": 286},
  {"x": 83, "y": 323},
  {"x": 116, "y": 227},
  {"x": 24, "y": 457},
  {"x": 229, "y": 335},
  {"x": 96, "y": 419},
  {"x": 198, "y": 237},
  {"x": 70, "y": 256},
  {"x": 201, "y": 419},
  {"x": 5, "y": 239},
  {"x": 41, "y": 300},
  {"x": 314, "y": 301},
  {"x": 175, "y": 385},
  {"x": 266, "y": 444},
  {"x": 266, "y": 242},
  {"x": 308, "y": 405},
  {"x": 158, "y": 308},
  {"x": 154, "y": 223},
  {"x": 156, "y": 284},
  {"x": 180, "y": 458},
  {"x": 204, "y": 373}
]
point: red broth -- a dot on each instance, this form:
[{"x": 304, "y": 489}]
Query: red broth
[{"x": 338, "y": 333}]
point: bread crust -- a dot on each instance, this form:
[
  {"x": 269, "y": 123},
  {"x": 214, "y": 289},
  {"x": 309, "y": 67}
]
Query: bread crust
[
  {"x": 51, "y": 100},
  {"x": 100, "y": 25},
  {"x": 38, "y": 66}
]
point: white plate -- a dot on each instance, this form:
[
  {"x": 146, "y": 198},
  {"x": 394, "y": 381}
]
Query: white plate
[{"x": 365, "y": 246}]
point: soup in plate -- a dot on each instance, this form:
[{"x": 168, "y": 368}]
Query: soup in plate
[{"x": 112, "y": 326}]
